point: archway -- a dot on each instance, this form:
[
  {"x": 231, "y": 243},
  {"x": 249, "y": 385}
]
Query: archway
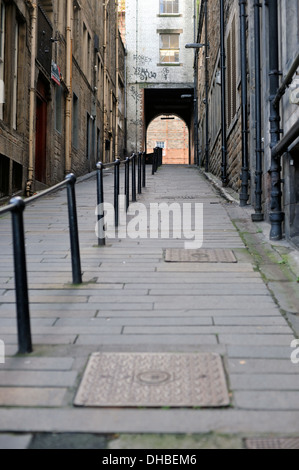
[
  {"x": 169, "y": 103},
  {"x": 171, "y": 133}
]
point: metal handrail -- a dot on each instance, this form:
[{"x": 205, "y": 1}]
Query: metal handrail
[
  {"x": 141, "y": 183},
  {"x": 17, "y": 207}
]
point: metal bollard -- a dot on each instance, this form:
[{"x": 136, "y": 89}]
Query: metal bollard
[
  {"x": 139, "y": 174},
  {"x": 21, "y": 283},
  {"x": 143, "y": 170},
  {"x": 160, "y": 156},
  {"x": 100, "y": 200},
  {"x": 73, "y": 227},
  {"x": 127, "y": 182},
  {"x": 156, "y": 159},
  {"x": 134, "y": 197},
  {"x": 116, "y": 191}
]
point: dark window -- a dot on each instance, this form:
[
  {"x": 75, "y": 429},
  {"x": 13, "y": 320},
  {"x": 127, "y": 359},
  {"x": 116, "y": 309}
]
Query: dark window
[
  {"x": 17, "y": 177},
  {"x": 4, "y": 176}
]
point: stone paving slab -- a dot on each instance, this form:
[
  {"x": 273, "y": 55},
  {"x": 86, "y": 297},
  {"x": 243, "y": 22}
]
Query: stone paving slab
[
  {"x": 14, "y": 442},
  {"x": 37, "y": 378},
  {"x": 29, "y": 396},
  {"x": 150, "y": 421}
]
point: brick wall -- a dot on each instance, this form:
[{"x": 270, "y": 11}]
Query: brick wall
[{"x": 174, "y": 133}]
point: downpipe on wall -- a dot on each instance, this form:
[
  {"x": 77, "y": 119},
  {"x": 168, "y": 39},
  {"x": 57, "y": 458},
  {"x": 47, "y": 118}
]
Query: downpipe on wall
[
  {"x": 258, "y": 216},
  {"x": 223, "y": 97},
  {"x": 276, "y": 214},
  {"x": 244, "y": 195}
]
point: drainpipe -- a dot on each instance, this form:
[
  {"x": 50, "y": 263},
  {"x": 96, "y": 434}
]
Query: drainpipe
[
  {"x": 105, "y": 78},
  {"x": 276, "y": 214},
  {"x": 223, "y": 97},
  {"x": 258, "y": 216},
  {"x": 116, "y": 79},
  {"x": 33, "y": 15},
  {"x": 68, "y": 104},
  {"x": 207, "y": 162},
  {"x": 244, "y": 196}
]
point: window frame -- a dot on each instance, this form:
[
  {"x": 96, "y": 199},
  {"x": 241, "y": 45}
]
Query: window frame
[
  {"x": 166, "y": 51},
  {"x": 166, "y": 3}
]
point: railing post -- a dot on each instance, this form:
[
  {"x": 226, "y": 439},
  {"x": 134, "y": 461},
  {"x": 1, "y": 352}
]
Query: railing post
[
  {"x": 134, "y": 198},
  {"x": 160, "y": 156},
  {"x": 73, "y": 227},
  {"x": 139, "y": 174},
  {"x": 116, "y": 191},
  {"x": 156, "y": 159},
  {"x": 21, "y": 284},
  {"x": 100, "y": 200},
  {"x": 143, "y": 170},
  {"x": 127, "y": 182}
]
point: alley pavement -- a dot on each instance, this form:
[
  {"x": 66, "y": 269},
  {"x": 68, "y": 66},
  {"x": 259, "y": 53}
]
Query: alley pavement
[{"x": 132, "y": 300}]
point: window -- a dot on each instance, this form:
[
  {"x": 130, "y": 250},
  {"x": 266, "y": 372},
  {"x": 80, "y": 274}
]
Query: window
[
  {"x": 58, "y": 109},
  {"x": 15, "y": 78},
  {"x": 170, "y": 7},
  {"x": 2, "y": 45},
  {"x": 169, "y": 48},
  {"x": 75, "y": 130},
  {"x": 161, "y": 145},
  {"x": 232, "y": 91},
  {"x": 86, "y": 53}
]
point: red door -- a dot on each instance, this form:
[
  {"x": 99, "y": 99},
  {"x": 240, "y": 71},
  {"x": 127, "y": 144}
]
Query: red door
[{"x": 41, "y": 136}]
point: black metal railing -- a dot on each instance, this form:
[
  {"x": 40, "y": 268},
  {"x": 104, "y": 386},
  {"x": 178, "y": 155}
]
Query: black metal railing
[
  {"x": 138, "y": 181},
  {"x": 18, "y": 205}
]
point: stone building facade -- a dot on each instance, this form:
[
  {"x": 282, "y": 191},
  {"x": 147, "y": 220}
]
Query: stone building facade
[
  {"x": 64, "y": 108},
  {"x": 159, "y": 68},
  {"x": 245, "y": 84}
]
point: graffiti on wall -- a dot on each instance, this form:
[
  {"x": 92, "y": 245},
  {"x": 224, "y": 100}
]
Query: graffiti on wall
[{"x": 144, "y": 74}]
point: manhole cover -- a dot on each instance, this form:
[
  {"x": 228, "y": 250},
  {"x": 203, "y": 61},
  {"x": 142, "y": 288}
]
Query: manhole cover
[
  {"x": 176, "y": 255},
  {"x": 153, "y": 380},
  {"x": 278, "y": 443}
]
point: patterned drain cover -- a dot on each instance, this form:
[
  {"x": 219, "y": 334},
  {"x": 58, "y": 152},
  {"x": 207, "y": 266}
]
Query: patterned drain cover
[
  {"x": 175, "y": 255},
  {"x": 153, "y": 380},
  {"x": 278, "y": 443}
]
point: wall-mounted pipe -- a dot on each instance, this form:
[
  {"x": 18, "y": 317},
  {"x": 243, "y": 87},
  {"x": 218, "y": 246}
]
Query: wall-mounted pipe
[
  {"x": 29, "y": 184},
  {"x": 223, "y": 96},
  {"x": 244, "y": 196},
  {"x": 207, "y": 159},
  {"x": 105, "y": 117},
  {"x": 276, "y": 214},
  {"x": 69, "y": 97},
  {"x": 116, "y": 78},
  {"x": 258, "y": 216}
]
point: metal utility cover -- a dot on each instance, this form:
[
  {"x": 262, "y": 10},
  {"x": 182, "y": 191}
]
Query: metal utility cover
[
  {"x": 272, "y": 443},
  {"x": 153, "y": 380},
  {"x": 176, "y": 255}
]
